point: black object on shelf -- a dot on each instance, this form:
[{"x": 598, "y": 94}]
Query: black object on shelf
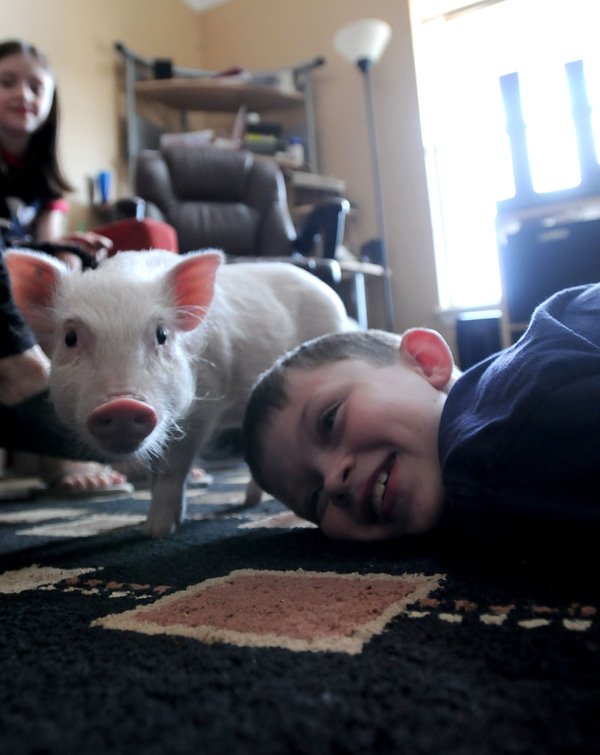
[{"x": 162, "y": 68}]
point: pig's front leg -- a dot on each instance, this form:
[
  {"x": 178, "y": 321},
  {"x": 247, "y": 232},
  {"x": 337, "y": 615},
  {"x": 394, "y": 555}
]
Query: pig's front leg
[{"x": 167, "y": 508}]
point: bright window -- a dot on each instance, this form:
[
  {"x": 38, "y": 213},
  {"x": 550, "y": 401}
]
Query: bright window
[{"x": 461, "y": 50}]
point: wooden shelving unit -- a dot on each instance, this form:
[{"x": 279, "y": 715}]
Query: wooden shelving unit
[
  {"x": 218, "y": 94},
  {"x": 186, "y": 90}
]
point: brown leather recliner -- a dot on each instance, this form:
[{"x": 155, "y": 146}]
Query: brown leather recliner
[{"x": 231, "y": 200}]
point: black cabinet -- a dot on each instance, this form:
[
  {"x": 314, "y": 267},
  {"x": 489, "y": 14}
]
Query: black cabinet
[{"x": 537, "y": 261}]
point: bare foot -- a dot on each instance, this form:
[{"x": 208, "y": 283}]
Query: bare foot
[
  {"x": 63, "y": 475},
  {"x": 197, "y": 475}
]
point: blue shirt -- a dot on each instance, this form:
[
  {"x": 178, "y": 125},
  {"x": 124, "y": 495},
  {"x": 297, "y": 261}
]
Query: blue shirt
[{"x": 519, "y": 435}]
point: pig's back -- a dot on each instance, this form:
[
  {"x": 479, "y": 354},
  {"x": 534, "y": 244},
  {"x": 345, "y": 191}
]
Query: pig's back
[
  {"x": 284, "y": 292},
  {"x": 261, "y": 310}
]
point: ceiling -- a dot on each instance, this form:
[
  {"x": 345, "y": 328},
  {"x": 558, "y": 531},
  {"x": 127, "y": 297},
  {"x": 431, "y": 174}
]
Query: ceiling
[{"x": 202, "y": 5}]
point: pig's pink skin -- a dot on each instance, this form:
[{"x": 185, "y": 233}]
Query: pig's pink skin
[
  {"x": 121, "y": 425},
  {"x": 182, "y": 336}
]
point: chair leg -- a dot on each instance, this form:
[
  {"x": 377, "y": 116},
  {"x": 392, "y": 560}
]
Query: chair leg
[{"x": 360, "y": 293}]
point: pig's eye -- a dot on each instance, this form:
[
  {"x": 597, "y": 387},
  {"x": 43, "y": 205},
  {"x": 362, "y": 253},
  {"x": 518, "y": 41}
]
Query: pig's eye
[
  {"x": 71, "y": 338},
  {"x": 161, "y": 335}
]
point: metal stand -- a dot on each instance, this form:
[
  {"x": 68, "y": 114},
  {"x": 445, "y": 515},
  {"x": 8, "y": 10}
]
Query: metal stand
[
  {"x": 365, "y": 66},
  {"x": 138, "y": 68}
]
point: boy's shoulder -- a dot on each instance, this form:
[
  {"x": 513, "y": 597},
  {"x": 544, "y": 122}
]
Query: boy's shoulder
[{"x": 560, "y": 348}]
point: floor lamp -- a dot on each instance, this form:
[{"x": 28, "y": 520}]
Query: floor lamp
[{"x": 363, "y": 43}]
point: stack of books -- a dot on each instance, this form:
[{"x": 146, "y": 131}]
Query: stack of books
[{"x": 264, "y": 138}]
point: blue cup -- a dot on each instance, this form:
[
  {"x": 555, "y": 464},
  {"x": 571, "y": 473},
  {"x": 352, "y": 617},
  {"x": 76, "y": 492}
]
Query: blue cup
[{"x": 104, "y": 179}]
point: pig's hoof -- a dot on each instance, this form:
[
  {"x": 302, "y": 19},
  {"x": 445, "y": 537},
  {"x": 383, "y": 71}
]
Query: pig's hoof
[{"x": 157, "y": 529}]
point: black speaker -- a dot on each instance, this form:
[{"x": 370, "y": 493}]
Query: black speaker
[
  {"x": 477, "y": 336},
  {"x": 539, "y": 261},
  {"x": 163, "y": 68}
]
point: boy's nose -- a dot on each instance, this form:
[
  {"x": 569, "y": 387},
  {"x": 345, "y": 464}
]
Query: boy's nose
[{"x": 337, "y": 480}]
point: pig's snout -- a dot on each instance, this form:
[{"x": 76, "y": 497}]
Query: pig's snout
[{"x": 122, "y": 424}]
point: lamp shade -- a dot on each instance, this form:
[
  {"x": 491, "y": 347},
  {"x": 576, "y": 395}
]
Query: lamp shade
[{"x": 363, "y": 40}]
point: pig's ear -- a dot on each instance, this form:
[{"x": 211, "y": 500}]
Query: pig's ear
[
  {"x": 33, "y": 278},
  {"x": 193, "y": 281}
]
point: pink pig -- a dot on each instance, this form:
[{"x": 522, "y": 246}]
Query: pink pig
[{"x": 152, "y": 353}]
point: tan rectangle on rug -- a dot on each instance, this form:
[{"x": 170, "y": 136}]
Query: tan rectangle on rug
[{"x": 298, "y": 610}]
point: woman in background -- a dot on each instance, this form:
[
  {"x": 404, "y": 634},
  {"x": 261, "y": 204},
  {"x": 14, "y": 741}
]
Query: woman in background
[{"x": 33, "y": 214}]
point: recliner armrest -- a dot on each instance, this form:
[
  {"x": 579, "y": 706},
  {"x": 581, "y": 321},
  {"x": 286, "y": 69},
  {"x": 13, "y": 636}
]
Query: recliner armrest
[
  {"x": 325, "y": 221},
  {"x": 328, "y": 270}
]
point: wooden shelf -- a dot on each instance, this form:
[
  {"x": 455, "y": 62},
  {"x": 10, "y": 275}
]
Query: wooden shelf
[
  {"x": 357, "y": 266},
  {"x": 302, "y": 179},
  {"x": 289, "y": 88},
  {"x": 216, "y": 95}
]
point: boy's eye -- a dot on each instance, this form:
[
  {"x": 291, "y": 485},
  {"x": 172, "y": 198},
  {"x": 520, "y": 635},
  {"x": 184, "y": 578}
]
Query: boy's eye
[{"x": 327, "y": 421}]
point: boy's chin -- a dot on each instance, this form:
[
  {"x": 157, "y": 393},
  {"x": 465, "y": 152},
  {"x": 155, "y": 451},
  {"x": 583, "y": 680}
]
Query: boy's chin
[
  {"x": 376, "y": 532},
  {"x": 420, "y": 518},
  {"x": 425, "y": 516},
  {"x": 365, "y": 533}
]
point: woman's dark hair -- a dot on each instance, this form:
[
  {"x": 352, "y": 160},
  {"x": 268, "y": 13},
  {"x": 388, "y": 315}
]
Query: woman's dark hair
[{"x": 42, "y": 148}]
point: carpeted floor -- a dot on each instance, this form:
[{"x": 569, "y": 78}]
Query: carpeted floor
[{"x": 244, "y": 633}]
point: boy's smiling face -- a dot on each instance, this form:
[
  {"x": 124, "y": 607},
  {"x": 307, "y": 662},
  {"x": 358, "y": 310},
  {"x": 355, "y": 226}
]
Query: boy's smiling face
[{"x": 355, "y": 449}]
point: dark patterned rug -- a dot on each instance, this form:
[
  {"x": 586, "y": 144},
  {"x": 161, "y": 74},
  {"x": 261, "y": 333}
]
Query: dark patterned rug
[{"x": 245, "y": 633}]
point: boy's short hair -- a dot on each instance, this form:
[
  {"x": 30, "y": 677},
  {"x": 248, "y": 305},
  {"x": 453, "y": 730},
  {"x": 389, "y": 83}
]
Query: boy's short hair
[{"x": 270, "y": 391}]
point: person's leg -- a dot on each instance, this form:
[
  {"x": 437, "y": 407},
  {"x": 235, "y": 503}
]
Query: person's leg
[
  {"x": 33, "y": 426},
  {"x": 66, "y": 465},
  {"x": 23, "y": 375},
  {"x": 27, "y": 421}
]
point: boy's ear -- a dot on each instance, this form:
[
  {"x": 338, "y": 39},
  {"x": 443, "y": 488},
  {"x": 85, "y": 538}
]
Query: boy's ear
[{"x": 429, "y": 350}]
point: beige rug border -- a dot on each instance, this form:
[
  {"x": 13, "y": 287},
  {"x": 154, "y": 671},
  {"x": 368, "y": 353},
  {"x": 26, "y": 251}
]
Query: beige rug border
[{"x": 211, "y": 634}]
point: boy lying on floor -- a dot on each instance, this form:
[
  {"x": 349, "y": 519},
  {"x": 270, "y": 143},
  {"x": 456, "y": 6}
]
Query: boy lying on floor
[{"x": 371, "y": 435}]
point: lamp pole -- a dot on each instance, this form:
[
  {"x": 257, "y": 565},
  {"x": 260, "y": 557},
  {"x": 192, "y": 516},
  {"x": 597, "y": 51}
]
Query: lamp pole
[
  {"x": 363, "y": 42},
  {"x": 364, "y": 65}
]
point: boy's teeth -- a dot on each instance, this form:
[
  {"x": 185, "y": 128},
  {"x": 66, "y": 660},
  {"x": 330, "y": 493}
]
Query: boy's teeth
[{"x": 378, "y": 491}]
